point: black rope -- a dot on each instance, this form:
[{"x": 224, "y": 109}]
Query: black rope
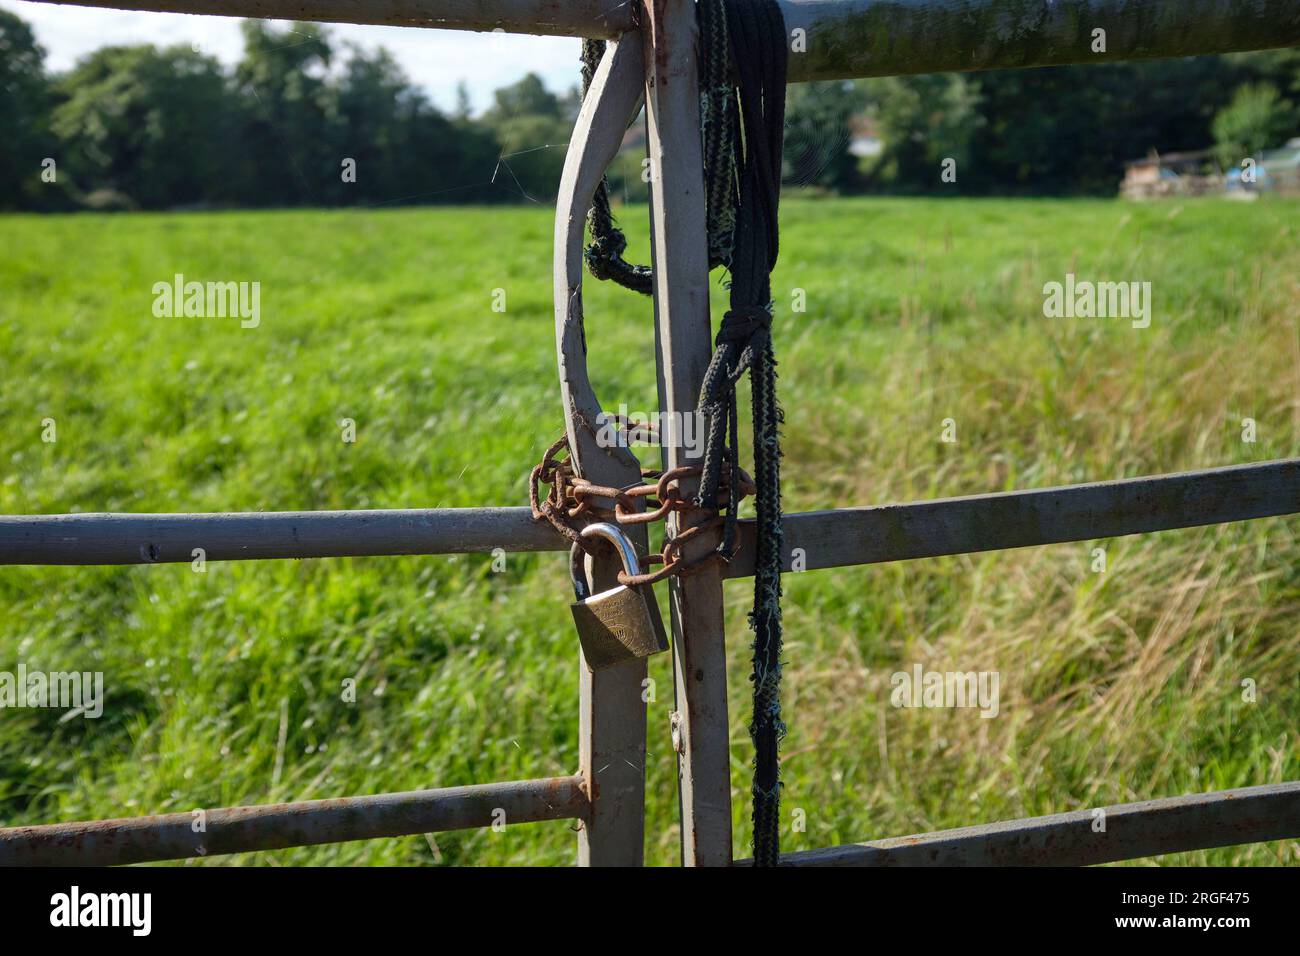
[
  {"x": 604, "y": 255},
  {"x": 719, "y": 133},
  {"x": 744, "y": 343},
  {"x": 720, "y": 141}
]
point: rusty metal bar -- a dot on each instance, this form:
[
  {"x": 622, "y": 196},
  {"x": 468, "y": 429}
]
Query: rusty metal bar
[
  {"x": 1022, "y": 519},
  {"x": 1129, "y": 831},
  {"x": 176, "y": 836},
  {"x": 851, "y": 38}
]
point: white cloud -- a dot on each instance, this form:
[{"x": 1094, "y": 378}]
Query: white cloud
[{"x": 436, "y": 60}]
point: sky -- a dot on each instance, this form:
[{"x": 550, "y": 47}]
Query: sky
[{"x": 436, "y": 60}]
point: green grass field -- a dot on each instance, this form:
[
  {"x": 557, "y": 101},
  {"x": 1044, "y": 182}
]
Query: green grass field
[{"x": 223, "y": 688}]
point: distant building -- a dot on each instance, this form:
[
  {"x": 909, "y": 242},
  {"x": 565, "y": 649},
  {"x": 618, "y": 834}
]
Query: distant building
[
  {"x": 1199, "y": 174},
  {"x": 1172, "y": 174}
]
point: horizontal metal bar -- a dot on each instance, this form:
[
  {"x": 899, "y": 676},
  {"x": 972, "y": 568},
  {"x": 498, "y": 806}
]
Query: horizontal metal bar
[
  {"x": 1021, "y": 519},
  {"x": 822, "y": 539},
  {"x": 570, "y": 18},
  {"x": 851, "y": 38},
  {"x": 858, "y": 38},
  {"x": 1131, "y": 831},
  {"x": 173, "y": 836},
  {"x": 173, "y": 538}
]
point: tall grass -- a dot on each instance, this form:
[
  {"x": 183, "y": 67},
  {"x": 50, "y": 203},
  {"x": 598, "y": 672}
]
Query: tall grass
[{"x": 225, "y": 687}]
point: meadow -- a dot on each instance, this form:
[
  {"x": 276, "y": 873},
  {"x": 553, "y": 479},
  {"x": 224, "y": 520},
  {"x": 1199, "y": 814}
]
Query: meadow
[{"x": 224, "y": 687}]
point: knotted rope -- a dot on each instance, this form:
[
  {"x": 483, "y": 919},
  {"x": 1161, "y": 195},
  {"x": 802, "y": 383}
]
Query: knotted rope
[{"x": 604, "y": 254}]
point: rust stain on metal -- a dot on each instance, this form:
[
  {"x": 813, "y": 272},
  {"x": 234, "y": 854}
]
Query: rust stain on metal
[
  {"x": 656, "y": 10},
  {"x": 1136, "y": 830},
  {"x": 275, "y": 826}
]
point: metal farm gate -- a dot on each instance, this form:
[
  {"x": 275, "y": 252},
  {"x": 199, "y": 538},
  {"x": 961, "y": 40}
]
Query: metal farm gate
[{"x": 652, "y": 56}]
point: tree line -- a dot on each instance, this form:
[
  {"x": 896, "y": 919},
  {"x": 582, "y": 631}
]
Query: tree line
[
  {"x": 1069, "y": 130},
  {"x": 299, "y": 120},
  {"x": 302, "y": 120}
]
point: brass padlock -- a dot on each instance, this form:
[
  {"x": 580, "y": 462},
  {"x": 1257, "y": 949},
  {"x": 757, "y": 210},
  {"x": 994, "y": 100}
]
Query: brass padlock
[{"x": 620, "y": 624}]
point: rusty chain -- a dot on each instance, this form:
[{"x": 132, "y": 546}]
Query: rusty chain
[{"x": 569, "y": 502}]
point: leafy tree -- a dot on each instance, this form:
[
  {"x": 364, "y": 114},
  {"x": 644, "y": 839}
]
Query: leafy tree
[
  {"x": 458, "y": 167},
  {"x": 923, "y": 121},
  {"x": 281, "y": 84},
  {"x": 167, "y": 127},
  {"x": 818, "y": 132},
  {"x": 1070, "y": 129},
  {"x": 404, "y": 149},
  {"x": 1281, "y": 68},
  {"x": 147, "y": 123},
  {"x": 1258, "y": 118},
  {"x": 463, "y": 110},
  {"x": 370, "y": 108},
  {"x": 24, "y": 117},
  {"x": 528, "y": 97},
  {"x": 1057, "y": 130},
  {"x": 531, "y": 125}
]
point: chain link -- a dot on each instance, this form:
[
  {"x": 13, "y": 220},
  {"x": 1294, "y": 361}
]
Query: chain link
[{"x": 570, "y": 505}]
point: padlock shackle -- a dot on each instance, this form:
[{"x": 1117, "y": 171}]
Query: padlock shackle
[
  {"x": 578, "y": 572},
  {"x": 615, "y": 536}
]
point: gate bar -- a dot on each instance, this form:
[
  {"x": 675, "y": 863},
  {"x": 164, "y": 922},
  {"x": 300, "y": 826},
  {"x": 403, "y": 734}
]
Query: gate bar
[
  {"x": 829, "y": 539},
  {"x": 171, "y": 538},
  {"x": 1200, "y": 821},
  {"x": 851, "y": 38},
  {"x": 604, "y": 19},
  {"x": 171, "y": 836},
  {"x": 1022, "y": 519},
  {"x": 860, "y": 38}
]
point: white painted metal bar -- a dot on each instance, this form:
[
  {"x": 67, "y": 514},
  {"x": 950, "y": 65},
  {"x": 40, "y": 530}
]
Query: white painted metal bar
[{"x": 685, "y": 345}]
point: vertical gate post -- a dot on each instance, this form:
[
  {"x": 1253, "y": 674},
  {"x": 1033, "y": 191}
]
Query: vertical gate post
[
  {"x": 612, "y": 710},
  {"x": 684, "y": 341},
  {"x": 611, "y": 734}
]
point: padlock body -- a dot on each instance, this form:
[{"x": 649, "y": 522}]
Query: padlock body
[{"x": 618, "y": 625}]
